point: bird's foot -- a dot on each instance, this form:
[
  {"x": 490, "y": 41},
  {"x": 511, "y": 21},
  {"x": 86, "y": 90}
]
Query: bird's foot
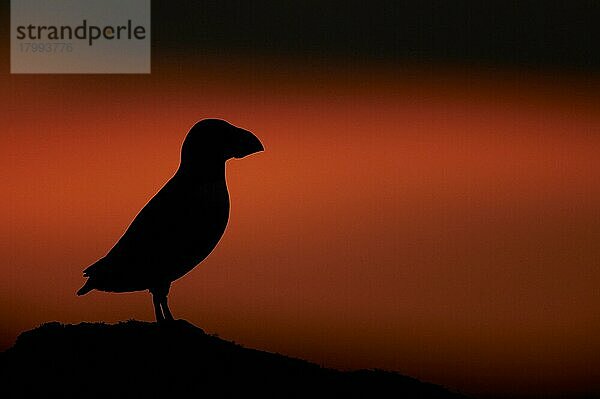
[{"x": 167, "y": 322}]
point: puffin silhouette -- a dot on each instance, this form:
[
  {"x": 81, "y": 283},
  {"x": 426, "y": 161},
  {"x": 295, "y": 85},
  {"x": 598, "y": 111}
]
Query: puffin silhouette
[{"x": 181, "y": 224}]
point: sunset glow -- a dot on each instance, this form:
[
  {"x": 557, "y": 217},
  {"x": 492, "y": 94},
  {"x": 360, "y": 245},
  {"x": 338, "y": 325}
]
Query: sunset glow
[{"x": 442, "y": 226}]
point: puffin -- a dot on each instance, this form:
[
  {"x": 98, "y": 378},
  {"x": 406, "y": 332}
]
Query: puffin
[{"x": 181, "y": 225}]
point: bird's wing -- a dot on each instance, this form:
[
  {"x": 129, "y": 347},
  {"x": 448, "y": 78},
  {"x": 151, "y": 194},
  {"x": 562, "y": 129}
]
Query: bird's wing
[
  {"x": 152, "y": 234},
  {"x": 156, "y": 225},
  {"x": 90, "y": 270},
  {"x": 140, "y": 239},
  {"x": 176, "y": 230}
]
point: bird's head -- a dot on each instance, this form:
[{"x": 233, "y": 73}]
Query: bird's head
[{"x": 211, "y": 140}]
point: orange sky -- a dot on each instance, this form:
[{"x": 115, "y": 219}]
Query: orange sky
[{"x": 441, "y": 224}]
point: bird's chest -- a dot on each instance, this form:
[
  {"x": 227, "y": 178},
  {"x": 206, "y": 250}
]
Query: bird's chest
[{"x": 206, "y": 212}]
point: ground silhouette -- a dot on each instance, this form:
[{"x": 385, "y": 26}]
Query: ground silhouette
[
  {"x": 139, "y": 359},
  {"x": 181, "y": 224}
]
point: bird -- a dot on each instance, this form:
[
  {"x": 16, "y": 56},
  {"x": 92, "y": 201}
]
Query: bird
[{"x": 182, "y": 224}]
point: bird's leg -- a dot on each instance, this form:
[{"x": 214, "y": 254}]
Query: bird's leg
[
  {"x": 159, "y": 297},
  {"x": 163, "y": 292},
  {"x": 157, "y": 311},
  {"x": 165, "y": 308}
]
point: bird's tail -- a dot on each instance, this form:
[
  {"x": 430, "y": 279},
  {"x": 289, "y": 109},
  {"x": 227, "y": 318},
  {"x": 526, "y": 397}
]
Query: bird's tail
[{"x": 87, "y": 287}]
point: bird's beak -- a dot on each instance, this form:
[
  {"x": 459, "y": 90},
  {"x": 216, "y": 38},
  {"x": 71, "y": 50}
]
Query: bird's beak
[{"x": 247, "y": 144}]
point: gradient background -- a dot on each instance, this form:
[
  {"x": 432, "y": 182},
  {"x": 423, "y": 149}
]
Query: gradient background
[{"x": 428, "y": 201}]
